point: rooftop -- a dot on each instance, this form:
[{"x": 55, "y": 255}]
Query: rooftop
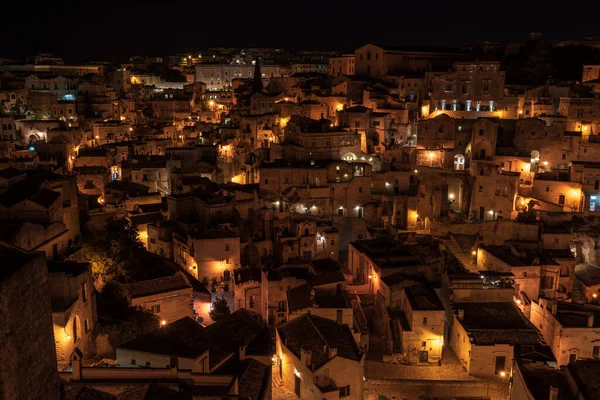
[
  {"x": 184, "y": 338},
  {"x": 573, "y": 315},
  {"x": 213, "y": 234},
  {"x": 72, "y": 268},
  {"x": 156, "y": 286},
  {"x": 586, "y": 374},
  {"x": 13, "y": 259},
  {"x": 497, "y": 323},
  {"x": 422, "y": 297},
  {"x": 516, "y": 256},
  {"x": 318, "y": 335}
]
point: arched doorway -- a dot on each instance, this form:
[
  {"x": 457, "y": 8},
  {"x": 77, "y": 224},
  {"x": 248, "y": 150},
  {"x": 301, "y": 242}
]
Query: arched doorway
[{"x": 459, "y": 162}]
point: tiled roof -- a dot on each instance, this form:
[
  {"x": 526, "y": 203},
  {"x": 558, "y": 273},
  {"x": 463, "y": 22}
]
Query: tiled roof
[
  {"x": 318, "y": 335},
  {"x": 254, "y": 378},
  {"x": 213, "y": 234},
  {"x": 86, "y": 393},
  {"x": 10, "y": 173},
  {"x": 150, "y": 391},
  {"x": 496, "y": 323},
  {"x": 585, "y": 374},
  {"x": 45, "y": 197},
  {"x": 183, "y": 338},
  {"x": 327, "y": 278},
  {"x": 156, "y": 286}
]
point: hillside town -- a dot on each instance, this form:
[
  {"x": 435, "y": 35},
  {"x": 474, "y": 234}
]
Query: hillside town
[{"x": 260, "y": 223}]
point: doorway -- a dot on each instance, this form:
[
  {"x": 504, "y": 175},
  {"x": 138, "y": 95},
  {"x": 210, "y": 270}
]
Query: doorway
[
  {"x": 297, "y": 383},
  {"x": 423, "y": 356}
]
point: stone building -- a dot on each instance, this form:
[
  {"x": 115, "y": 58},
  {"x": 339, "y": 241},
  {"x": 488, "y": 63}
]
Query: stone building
[
  {"x": 571, "y": 330},
  {"x": 470, "y": 87},
  {"x": 484, "y": 335},
  {"x": 74, "y": 315},
  {"x": 388, "y": 60},
  {"x": 170, "y": 298},
  {"x": 211, "y": 253},
  {"x": 27, "y": 367},
  {"x": 317, "y": 356},
  {"x": 342, "y": 64}
]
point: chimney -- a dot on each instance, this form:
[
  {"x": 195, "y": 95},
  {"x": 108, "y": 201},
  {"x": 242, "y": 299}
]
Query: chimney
[
  {"x": 306, "y": 357},
  {"x": 553, "y": 393},
  {"x": 332, "y": 353},
  {"x": 590, "y": 320},
  {"x": 461, "y": 314},
  {"x": 554, "y": 308}
]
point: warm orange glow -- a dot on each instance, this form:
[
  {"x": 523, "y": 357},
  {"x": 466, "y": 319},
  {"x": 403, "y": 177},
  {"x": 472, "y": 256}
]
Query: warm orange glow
[
  {"x": 431, "y": 154},
  {"x": 163, "y": 322},
  {"x": 474, "y": 252},
  {"x": 283, "y": 122},
  {"x": 339, "y": 107},
  {"x": 211, "y": 103}
]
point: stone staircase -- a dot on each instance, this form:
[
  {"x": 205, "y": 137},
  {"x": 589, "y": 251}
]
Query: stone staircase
[
  {"x": 466, "y": 262},
  {"x": 277, "y": 382},
  {"x": 396, "y": 337}
]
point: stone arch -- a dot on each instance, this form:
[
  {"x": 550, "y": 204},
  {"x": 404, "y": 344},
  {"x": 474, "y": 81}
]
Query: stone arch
[{"x": 349, "y": 156}]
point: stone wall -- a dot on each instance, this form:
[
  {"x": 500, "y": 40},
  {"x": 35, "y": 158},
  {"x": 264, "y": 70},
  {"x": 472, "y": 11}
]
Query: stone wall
[{"x": 27, "y": 354}]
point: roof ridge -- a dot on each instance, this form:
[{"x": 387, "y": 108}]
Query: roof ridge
[{"x": 309, "y": 316}]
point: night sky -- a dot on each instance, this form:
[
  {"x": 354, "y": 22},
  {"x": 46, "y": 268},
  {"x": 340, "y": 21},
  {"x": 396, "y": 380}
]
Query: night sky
[{"x": 113, "y": 30}]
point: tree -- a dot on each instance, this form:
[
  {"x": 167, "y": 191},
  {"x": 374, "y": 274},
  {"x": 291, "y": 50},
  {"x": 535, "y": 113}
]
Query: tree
[
  {"x": 117, "y": 256},
  {"x": 127, "y": 322},
  {"x": 220, "y": 310},
  {"x": 257, "y": 83}
]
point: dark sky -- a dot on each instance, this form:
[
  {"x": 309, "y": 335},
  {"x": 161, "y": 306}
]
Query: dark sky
[{"x": 114, "y": 30}]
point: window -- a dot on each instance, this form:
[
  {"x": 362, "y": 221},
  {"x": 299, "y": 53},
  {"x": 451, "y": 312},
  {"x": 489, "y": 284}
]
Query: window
[
  {"x": 360, "y": 236},
  {"x": 500, "y": 364},
  {"x": 156, "y": 308},
  {"x": 481, "y": 188},
  {"x": 313, "y": 143},
  {"x": 547, "y": 282},
  {"x": 148, "y": 364},
  {"x": 572, "y": 358},
  {"x": 448, "y": 88},
  {"x": 226, "y": 247},
  {"x": 369, "y": 55},
  {"x": 341, "y": 212},
  {"x": 252, "y": 301},
  {"x": 424, "y": 320},
  {"x": 564, "y": 156},
  {"x": 561, "y": 199},
  {"x": 84, "y": 292},
  {"x": 580, "y": 113},
  {"x": 481, "y": 132},
  {"x": 547, "y": 188},
  {"x": 152, "y": 240},
  {"x": 332, "y": 242},
  {"x": 133, "y": 362},
  {"x": 360, "y": 190},
  {"x": 281, "y": 306},
  {"x": 86, "y": 325},
  {"x": 266, "y": 181},
  {"x": 357, "y": 124},
  {"x": 596, "y": 352},
  {"x": 338, "y": 316},
  {"x": 596, "y": 184},
  {"x": 423, "y": 344},
  {"x": 228, "y": 261},
  {"x": 345, "y": 391}
]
